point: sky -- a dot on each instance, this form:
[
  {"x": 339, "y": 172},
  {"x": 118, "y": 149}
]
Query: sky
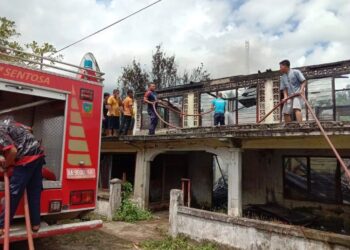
[{"x": 212, "y": 32}]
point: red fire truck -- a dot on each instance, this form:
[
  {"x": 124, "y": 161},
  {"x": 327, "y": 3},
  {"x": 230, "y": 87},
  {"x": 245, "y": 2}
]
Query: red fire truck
[{"x": 62, "y": 104}]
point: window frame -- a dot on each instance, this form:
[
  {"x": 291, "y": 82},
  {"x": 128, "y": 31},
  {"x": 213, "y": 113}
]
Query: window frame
[{"x": 338, "y": 187}]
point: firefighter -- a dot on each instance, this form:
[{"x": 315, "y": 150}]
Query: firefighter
[{"x": 20, "y": 150}]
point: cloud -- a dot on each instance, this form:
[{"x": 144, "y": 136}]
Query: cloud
[{"x": 208, "y": 31}]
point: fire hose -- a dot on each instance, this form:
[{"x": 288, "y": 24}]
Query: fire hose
[
  {"x": 337, "y": 155},
  {"x": 178, "y": 112},
  {"x": 6, "y": 245}
]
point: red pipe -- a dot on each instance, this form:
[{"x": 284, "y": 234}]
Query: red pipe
[
  {"x": 160, "y": 118},
  {"x": 185, "y": 114},
  {"x": 277, "y": 106},
  {"x": 178, "y": 112},
  {"x": 28, "y": 224},
  {"x": 6, "y": 245}
]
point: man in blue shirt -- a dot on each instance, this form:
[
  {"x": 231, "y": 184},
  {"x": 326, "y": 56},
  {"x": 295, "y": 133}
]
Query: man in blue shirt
[
  {"x": 219, "y": 106},
  {"x": 292, "y": 82}
]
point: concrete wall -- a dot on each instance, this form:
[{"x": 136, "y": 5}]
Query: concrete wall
[
  {"x": 167, "y": 171},
  {"x": 108, "y": 203},
  {"x": 229, "y": 158},
  {"x": 247, "y": 233}
]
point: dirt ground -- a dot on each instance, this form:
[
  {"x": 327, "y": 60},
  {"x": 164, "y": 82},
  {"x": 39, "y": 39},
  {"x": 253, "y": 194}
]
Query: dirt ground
[{"x": 113, "y": 235}]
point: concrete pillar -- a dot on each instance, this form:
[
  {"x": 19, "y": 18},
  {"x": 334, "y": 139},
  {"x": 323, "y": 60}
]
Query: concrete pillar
[
  {"x": 190, "y": 110},
  {"x": 269, "y": 100},
  {"x": 142, "y": 176},
  {"x": 231, "y": 159},
  {"x": 137, "y": 117},
  {"x": 115, "y": 197},
  {"x": 176, "y": 200},
  {"x": 234, "y": 206}
]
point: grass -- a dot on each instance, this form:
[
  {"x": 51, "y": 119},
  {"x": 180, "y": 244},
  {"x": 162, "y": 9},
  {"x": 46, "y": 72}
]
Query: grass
[
  {"x": 129, "y": 211},
  {"x": 178, "y": 243}
]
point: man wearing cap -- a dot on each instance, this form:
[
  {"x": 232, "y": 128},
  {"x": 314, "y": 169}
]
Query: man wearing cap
[{"x": 20, "y": 150}]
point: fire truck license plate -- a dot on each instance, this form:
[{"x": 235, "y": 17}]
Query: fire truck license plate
[{"x": 81, "y": 173}]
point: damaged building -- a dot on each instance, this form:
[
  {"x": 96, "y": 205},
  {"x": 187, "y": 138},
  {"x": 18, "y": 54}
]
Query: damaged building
[{"x": 244, "y": 169}]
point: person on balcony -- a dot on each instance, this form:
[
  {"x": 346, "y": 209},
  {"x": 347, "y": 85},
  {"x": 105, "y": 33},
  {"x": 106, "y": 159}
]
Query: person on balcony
[
  {"x": 292, "y": 82},
  {"x": 127, "y": 113},
  {"x": 149, "y": 98},
  {"x": 219, "y": 107},
  {"x": 114, "y": 105}
]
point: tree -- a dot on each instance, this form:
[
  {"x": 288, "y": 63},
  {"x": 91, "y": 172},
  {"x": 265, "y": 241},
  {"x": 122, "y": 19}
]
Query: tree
[
  {"x": 197, "y": 75},
  {"x": 164, "y": 73},
  {"x": 41, "y": 50},
  {"x": 8, "y": 34},
  {"x": 164, "y": 69},
  {"x": 133, "y": 77}
]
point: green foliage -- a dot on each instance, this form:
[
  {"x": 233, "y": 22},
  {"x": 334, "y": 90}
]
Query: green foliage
[
  {"x": 42, "y": 50},
  {"x": 126, "y": 190},
  {"x": 8, "y": 35},
  {"x": 178, "y": 243},
  {"x": 129, "y": 211},
  {"x": 133, "y": 77},
  {"x": 164, "y": 73},
  {"x": 198, "y": 74},
  {"x": 164, "y": 68},
  {"x": 7, "y": 31}
]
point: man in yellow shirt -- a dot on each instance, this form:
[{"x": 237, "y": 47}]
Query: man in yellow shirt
[
  {"x": 128, "y": 113},
  {"x": 113, "y": 114}
]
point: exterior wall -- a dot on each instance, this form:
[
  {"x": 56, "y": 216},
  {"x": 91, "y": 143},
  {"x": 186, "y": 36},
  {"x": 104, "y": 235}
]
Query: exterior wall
[
  {"x": 269, "y": 100},
  {"x": 229, "y": 158},
  {"x": 247, "y": 233},
  {"x": 167, "y": 172},
  {"x": 205, "y": 102}
]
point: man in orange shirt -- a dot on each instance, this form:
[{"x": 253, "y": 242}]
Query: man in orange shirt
[
  {"x": 128, "y": 113},
  {"x": 113, "y": 114}
]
